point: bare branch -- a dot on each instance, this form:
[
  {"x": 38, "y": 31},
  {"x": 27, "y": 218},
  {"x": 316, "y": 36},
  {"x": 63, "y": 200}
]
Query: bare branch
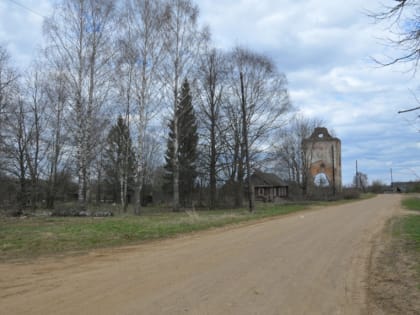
[{"x": 409, "y": 110}]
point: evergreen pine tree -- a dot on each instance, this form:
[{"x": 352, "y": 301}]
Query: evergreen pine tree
[{"x": 188, "y": 140}]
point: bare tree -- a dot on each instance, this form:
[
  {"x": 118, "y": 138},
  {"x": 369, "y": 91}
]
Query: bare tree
[
  {"x": 258, "y": 102},
  {"x": 142, "y": 52},
  {"x": 403, "y": 18},
  {"x": 211, "y": 84},
  {"x": 13, "y": 133},
  {"x": 57, "y": 100},
  {"x": 8, "y": 89},
  {"x": 8, "y": 76},
  {"x": 183, "y": 41},
  {"x": 291, "y": 160},
  {"x": 23, "y": 130},
  {"x": 15, "y": 149},
  {"x": 80, "y": 37},
  {"x": 35, "y": 113},
  {"x": 27, "y": 139},
  {"x": 231, "y": 158}
]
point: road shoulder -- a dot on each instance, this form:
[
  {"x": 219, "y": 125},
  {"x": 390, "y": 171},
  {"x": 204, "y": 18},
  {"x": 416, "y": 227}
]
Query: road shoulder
[{"x": 392, "y": 272}]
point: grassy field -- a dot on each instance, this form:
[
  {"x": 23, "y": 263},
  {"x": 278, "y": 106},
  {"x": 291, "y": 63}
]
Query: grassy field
[
  {"x": 411, "y": 229},
  {"x": 408, "y": 229},
  {"x": 412, "y": 203},
  {"x": 31, "y": 237},
  {"x": 410, "y": 225}
]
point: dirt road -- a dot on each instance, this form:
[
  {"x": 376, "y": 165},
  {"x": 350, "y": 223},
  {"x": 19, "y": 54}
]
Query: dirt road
[{"x": 313, "y": 262}]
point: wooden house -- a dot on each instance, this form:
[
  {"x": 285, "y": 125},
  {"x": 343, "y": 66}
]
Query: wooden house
[{"x": 268, "y": 187}]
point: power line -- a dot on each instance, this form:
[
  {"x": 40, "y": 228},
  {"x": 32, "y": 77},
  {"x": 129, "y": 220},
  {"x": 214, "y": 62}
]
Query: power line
[{"x": 27, "y": 8}]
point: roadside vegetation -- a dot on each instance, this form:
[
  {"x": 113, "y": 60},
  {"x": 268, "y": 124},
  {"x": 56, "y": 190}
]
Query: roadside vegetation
[
  {"x": 35, "y": 236},
  {"x": 32, "y": 237},
  {"x": 410, "y": 231},
  {"x": 411, "y": 227},
  {"x": 394, "y": 275},
  {"x": 407, "y": 230},
  {"x": 412, "y": 203}
]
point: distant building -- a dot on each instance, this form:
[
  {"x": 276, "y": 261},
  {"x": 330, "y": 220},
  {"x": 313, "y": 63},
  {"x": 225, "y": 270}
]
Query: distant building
[
  {"x": 405, "y": 187},
  {"x": 268, "y": 187},
  {"x": 323, "y": 159}
]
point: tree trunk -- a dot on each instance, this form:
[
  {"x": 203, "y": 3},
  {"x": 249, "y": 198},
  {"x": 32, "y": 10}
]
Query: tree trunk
[
  {"x": 213, "y": 158},
  {"x": 239, "y": 184},
  {"x": 176, "y": 166},
  {"x": 137, "y": 207},
  {"x": 251, "y": 192}
]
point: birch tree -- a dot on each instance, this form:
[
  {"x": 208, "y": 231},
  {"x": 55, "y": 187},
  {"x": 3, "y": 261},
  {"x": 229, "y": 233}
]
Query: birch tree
[
  {"x": 183, "y": 41},
  {"x": 80, "y": 34},
  {"x": 187, "y": 140},
  {"x": 142, "y": 52}
]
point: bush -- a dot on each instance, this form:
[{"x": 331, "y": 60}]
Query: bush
[
  {"x": 377, "y": 187},
  {"x": 415, "y": 188},
  {"x": 351, "y": 193}
]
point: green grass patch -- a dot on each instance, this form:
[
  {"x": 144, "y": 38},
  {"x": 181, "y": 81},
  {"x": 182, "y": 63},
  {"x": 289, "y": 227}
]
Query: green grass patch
[
  {"x": 31, "y": 237},
  {"x": 411, "y": 231},
  {"x": 34, "y": 236},
  {"x": 412, "y": 203},
  {"x": 407, "y": 229}
]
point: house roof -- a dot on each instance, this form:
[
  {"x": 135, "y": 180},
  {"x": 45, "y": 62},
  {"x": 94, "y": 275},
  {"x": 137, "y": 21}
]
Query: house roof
[{"x": 266, "y": 179}]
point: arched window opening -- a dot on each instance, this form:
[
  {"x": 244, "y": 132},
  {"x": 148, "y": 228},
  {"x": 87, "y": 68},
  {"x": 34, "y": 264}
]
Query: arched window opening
[{"x": 321, "y": 180}]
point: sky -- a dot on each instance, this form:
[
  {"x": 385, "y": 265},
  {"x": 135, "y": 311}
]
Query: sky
[{"x": 326, "y": 50}]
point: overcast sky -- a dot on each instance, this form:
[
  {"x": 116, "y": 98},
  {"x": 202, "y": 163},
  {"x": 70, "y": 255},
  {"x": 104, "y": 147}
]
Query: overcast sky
[{"x": 325, "y": 50}]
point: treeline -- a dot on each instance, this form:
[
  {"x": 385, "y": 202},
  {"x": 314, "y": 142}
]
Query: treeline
[{"x": 130, "y": 98}]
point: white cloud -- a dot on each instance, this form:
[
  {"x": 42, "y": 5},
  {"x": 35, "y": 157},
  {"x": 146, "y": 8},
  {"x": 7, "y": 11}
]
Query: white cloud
[
  {"x": 21, "y": 28},
  {"x": 325, "y": 49}
]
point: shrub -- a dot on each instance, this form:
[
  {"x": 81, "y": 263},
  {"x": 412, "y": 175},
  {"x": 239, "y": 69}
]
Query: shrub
[
  {"x": 377, "y": 187},
  {"x": 351, "y": 193}
]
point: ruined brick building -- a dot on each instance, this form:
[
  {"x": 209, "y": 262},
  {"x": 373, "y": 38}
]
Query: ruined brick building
[{"x": 323, "y": 159}]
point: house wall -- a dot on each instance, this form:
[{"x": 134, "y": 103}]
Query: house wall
[{"x": 268, "y": 193}]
